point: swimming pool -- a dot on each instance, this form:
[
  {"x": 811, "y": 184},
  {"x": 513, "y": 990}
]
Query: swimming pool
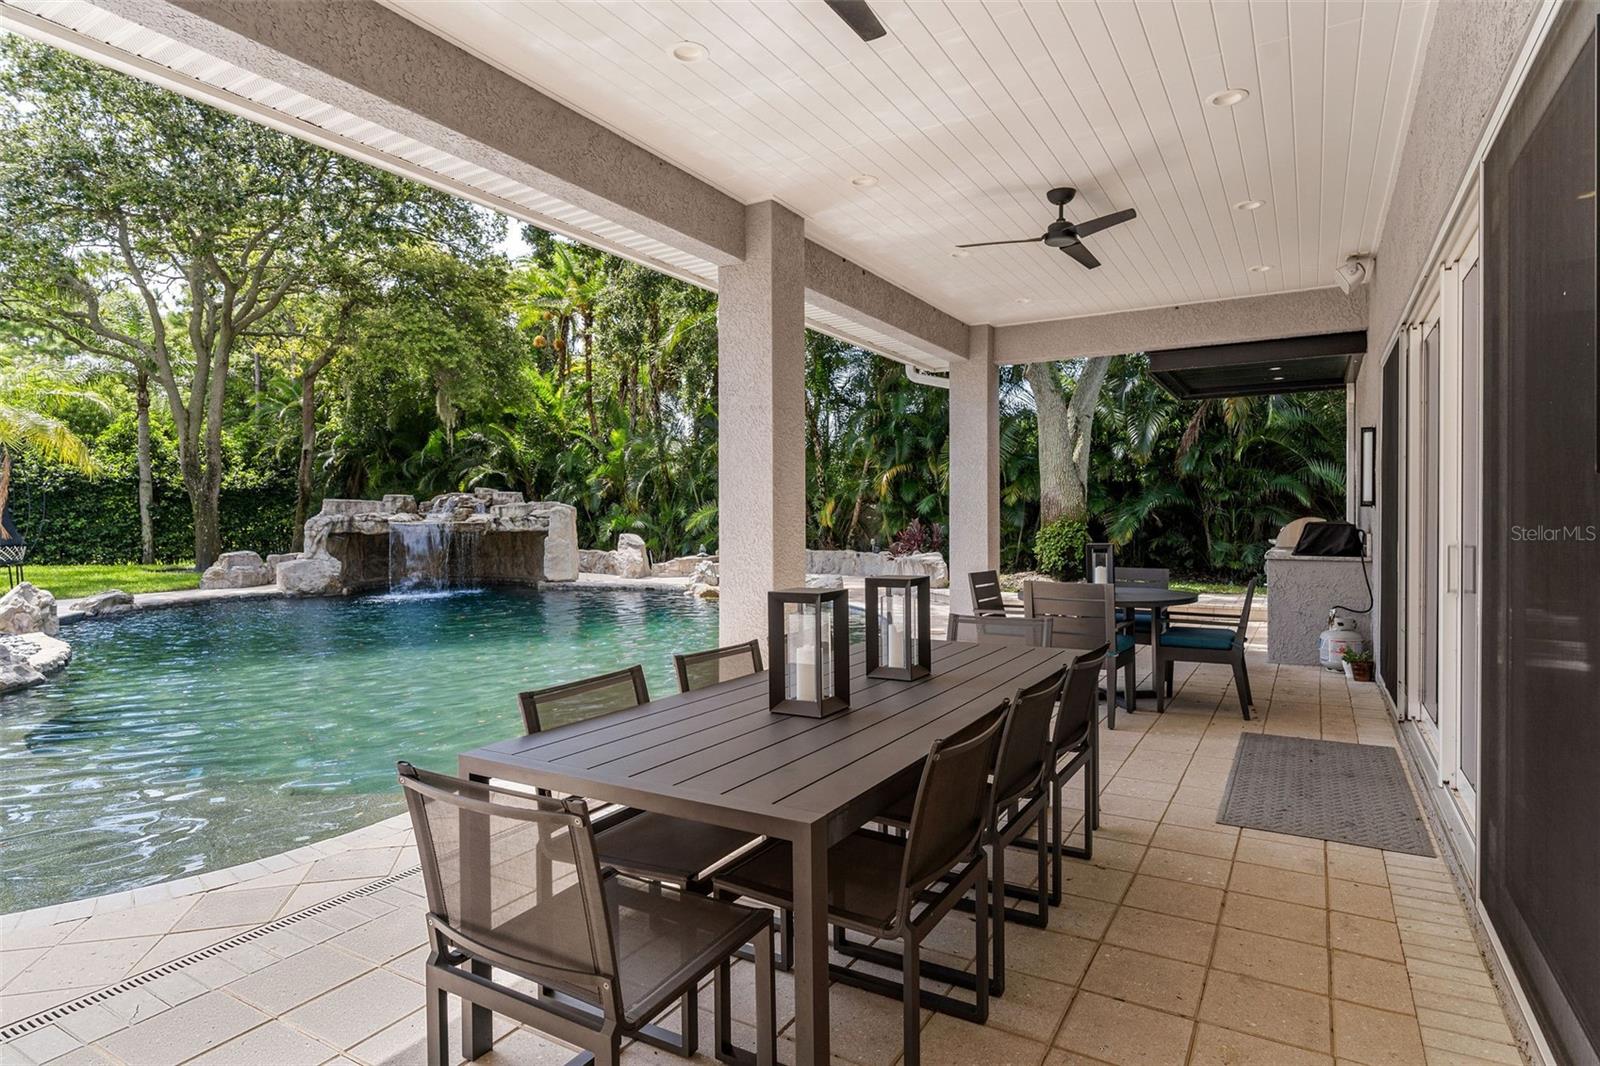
[{"x": 195, "y": 738}]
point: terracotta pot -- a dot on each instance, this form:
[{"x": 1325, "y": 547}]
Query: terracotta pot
[{"x": 1361, "y": 671}]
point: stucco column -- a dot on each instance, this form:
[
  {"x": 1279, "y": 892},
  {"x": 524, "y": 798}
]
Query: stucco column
[
  {"x": 974, "y": 466},
  {"x": 761, "y": 461}
]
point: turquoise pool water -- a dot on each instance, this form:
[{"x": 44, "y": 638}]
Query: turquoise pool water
[{"x": 194, "y": 738}]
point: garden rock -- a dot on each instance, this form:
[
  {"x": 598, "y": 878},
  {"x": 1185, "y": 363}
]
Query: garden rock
[
  {"x": 633, "y": 558},
  {"x": 28, "y": 660},
  {"x": 311, "y": 575},
  {"x": 682, "y": 566},
  {"x": 274, "y": 560},
  {"x": 109, "y": 602},
  {"x": 15, "y": 670},
  {"x": 236, "y": 570},
  {"x": 28, "y": 609}
]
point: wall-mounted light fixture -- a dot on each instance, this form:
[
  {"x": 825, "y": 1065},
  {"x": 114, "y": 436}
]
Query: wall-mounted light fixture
[{"x": 1369, "y": 466}]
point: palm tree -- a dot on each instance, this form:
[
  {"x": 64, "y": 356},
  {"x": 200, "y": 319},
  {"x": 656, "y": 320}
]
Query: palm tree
[{"x": 31, "y": 391}]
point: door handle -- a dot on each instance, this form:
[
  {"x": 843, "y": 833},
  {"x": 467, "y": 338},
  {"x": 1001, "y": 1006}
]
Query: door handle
[{"x": 1469, "y": 569}]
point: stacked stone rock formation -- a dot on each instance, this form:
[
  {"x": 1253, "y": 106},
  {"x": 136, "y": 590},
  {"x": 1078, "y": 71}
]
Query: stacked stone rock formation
[{"x": 512, "y": 541}]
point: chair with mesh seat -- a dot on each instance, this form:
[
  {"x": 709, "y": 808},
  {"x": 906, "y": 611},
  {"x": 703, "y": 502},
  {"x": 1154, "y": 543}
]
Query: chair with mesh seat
[
  {"x": 515, "y": 889},
  {"x": 658, "y": 847},
  {"x": 899, "y": 888},
  {"x": 1083, "y": 615},
  {"x": 1021, "y": 780},
  {"x": 1200, "y": 638},
  {"x": 991, "y": 629},
  {"x": 1075, "y": 746},
  {"x": 702, "y": 669},
  {"x": 987, "y": 600},
  {"x": 642, "y": 844}
]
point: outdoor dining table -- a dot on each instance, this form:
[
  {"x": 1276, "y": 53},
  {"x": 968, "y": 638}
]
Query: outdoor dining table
[
  {"x": 1156, "y": 601},
  {"x": 719, "y": 755}
]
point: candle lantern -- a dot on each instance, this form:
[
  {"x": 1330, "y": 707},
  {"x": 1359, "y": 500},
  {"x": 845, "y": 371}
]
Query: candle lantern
[
  {"x": 899, "y": 637},
  {"x": 808, "y": 640},
  {"x": 1100, "y": 567}
]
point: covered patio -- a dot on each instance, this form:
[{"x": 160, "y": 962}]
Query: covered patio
[
  {"x": 814, "y": 178},
  {"x": 1184, "y": 941}
]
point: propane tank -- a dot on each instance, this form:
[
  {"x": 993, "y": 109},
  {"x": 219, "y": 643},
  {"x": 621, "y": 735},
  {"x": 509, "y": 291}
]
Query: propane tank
[{"x": 1332, "y": 642}]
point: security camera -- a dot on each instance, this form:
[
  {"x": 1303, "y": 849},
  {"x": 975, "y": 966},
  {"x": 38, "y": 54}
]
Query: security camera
[{"x": 1354, "y": 272}]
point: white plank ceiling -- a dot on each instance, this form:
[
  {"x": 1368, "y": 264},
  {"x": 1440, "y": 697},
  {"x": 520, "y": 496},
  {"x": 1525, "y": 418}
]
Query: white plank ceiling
[{"x": 967, "y": 112}]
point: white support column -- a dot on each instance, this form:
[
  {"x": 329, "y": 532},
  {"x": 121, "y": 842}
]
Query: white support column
[
  {"x": 974, "y": 466},
  {"x": 761, "y": 461}
]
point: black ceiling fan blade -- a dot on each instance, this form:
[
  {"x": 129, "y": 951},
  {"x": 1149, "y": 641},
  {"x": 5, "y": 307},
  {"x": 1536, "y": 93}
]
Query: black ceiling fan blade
[
  {"x": 859, "y": 17},
  {"x": 1095, "y": 225},
  {"x": 1081, "y": 254},
  {"x": 991, "y": 244}
]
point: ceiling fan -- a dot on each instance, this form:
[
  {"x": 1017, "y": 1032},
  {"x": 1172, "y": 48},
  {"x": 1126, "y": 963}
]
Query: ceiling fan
[
  {"x": 1068, "y": 235},
  {"x": 859, "y": 17}
]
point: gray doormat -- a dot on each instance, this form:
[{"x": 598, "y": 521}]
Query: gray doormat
[{"x": 1350, "y": 793}]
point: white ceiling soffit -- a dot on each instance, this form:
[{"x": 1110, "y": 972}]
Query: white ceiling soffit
[
  {"x": 124, "y": 45},
  {"x": 966, "y": 113}
]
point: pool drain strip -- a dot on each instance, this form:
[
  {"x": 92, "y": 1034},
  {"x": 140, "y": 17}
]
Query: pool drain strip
[{"x": 62, "y": 1010}]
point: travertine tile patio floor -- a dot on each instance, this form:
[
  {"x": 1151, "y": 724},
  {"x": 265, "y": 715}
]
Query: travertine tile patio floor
[{"x": 1184, "y": 941}]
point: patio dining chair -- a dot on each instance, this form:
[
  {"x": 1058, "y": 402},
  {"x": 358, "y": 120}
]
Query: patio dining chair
[
  {"x": 1144, "y": 577},
  {"x": 516, "y": 890},
  {"x": 981, "y": 629},
  {"x": 987, "y": 600},
  {"x": 1020, "y": 782},
  {"x": 1190, "y": 637},
  {"x": 702, "y": 669},
  {"x": 1083, "y": 615},
  {"x": 899, "y": 888},
  {"x": 641, "y": 844}
]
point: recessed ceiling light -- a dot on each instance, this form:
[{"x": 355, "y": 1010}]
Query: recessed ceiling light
[
  {"x": 1249, "y": 205},
  {"x": 689, "y": 51},
  {"x": 1274, "y": 368},
  {"x": 1024, "y": 299},
  {"x": 1278, "y": 378},
  {"x": 864, "y": 181},
  {"x": 1260, "y": 268},
  {"x": 1228, "y": 97}
]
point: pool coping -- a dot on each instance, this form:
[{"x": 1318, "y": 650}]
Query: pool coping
[{"x": 205, "y": 881}]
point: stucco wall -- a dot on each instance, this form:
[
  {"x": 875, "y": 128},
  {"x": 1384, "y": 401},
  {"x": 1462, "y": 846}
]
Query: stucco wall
[{"x": 1471, "y": 50}]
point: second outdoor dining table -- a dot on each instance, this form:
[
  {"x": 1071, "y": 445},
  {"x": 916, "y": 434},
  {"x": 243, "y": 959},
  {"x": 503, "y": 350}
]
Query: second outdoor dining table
[
  {"x": 720, "y": 756},
  {"x": 1156, "y": 601}
]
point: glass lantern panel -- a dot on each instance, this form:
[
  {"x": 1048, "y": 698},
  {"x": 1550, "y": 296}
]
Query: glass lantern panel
[
  {"x": 799, "y": 651},
  {"x": 1101, "y": 562},
  {"x": 824, "y": 653},
  {"x": 892, "y": 628}
]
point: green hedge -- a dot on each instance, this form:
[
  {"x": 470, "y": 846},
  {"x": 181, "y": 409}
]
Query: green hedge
[{"x": 68, "y": 518}]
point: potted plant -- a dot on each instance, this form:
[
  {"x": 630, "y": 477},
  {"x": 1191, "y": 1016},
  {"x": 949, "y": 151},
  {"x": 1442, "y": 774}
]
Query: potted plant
[{"x": 1357, "y": 664}]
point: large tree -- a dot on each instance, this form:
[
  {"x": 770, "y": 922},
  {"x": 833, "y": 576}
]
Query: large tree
[
  {"x": 1066, "y": 433},
  {"x": 109, "y": 184}
]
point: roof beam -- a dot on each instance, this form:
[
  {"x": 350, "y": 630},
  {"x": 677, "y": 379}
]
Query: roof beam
[
  {"x": 835, "y": 284},
  {"x": 360, "y": 56},
  {"x": 1251, "y": 318}
]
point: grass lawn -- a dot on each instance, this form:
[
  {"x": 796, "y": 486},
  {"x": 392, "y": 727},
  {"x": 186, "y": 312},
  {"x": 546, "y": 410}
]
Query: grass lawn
[{"x": 70, "y": 582}]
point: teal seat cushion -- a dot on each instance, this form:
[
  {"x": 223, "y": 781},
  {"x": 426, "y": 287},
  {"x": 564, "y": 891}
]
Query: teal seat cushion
[
  {"x": 1204, "y": 637},
  {"x": 1124, "y": 642}
]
